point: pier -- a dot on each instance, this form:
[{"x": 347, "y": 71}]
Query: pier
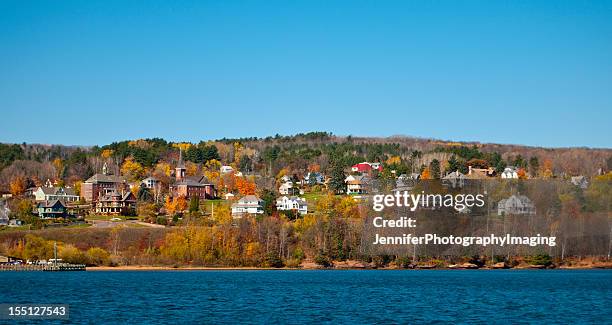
[{"x": 48, "y": 268}]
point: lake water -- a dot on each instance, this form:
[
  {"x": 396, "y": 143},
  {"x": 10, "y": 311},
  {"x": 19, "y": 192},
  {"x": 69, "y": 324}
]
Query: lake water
[{"x": 502, "y": 296}]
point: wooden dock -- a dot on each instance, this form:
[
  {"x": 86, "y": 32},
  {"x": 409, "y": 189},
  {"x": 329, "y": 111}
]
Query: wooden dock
[{"x": 47, "y": 268}]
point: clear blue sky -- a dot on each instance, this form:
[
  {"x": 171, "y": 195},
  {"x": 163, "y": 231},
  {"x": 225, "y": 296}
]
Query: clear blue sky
[{"x": 93, "y": 72}]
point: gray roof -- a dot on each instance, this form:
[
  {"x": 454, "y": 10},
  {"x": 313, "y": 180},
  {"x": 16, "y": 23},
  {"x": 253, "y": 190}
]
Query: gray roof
[
  {"x": 55, "y": 190},
  {"x": 50, "y": 204},
  {"x": 101, "y": 178},
  {"x": 194, "y": 181}
]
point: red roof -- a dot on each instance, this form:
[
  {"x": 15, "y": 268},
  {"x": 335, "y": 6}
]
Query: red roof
[{"x": 366, "y": 167}]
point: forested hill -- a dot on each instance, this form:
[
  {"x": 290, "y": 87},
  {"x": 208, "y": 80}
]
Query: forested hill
[{"x": 296, "y": 153}]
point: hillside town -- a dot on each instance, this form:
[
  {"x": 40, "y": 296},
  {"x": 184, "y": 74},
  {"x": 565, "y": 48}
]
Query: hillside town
[{"x": 156, "y": 184}]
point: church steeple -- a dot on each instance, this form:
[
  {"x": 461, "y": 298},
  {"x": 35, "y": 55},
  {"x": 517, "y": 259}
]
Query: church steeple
[
  {"x": 105, "y": 169},
  {"x": 180, "y": 168}
]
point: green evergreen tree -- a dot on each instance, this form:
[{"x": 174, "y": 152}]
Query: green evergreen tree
[
  {"x": 434, "y": 168},
  {"x": 336, "y": 183},
  {"x": 194, "y": 204}
]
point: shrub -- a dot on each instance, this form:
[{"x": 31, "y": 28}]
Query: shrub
[
  {"x": 403, "y": 262},
  {"x": 322, "y": 259},
  {"x": 98, "y": 256},
  {"x": 540, "y": 259},
  {"x": 273, "y": 260}
]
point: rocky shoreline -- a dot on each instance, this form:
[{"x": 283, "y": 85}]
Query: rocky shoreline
[{"x": 358, "y": 265}]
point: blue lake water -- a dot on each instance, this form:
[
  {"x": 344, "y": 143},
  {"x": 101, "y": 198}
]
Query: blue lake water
[{"x": 577, "y": 296}]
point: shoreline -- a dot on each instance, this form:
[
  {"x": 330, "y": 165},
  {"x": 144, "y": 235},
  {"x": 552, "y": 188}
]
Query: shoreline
[{"x": 211, "y": 268}]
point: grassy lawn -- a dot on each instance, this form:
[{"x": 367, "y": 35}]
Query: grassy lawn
[
  {"x": 83, "y": 225},
  {"x": 207, "y": 205},
  {"x": 6, "y": 228},
  {"x": 313, "y": 197},
  {"x": 106, "y": 218}
]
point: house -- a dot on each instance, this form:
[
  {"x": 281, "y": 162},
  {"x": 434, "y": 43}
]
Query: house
[
  {"x": 313, "y": 179},
  {"x": 51, "y": 209},
  {"x": 403, "y": 184},
  {"x": 193, "y": 187},
  {"x": 101, "y": 184},
  {"x": 355, "y": 184},
  {"x": 229, "y": 196},
  {"x": 249, "y": 204},
  {"x": 510, "y": 172},
  {"x": 516, "y": 204},
  {"x": 454, "y": 179},
  {"x": 190, "y": 187},
  {"x": 288, "y": 189},
  {"x": 226, "y": 169},
  {"x": 52, "y": 193},
  {"x": 480, "y": 173},
  {"x": 115, "y": 203},
  {"x": 366, "y": 167},
  {"x": 286, "y": 179},
  {"x": 412, "y": 176},
  {"x": 149, "y": 182},
  {"x": 293, "y": 203},
  {"x": 580, "y": 181}
]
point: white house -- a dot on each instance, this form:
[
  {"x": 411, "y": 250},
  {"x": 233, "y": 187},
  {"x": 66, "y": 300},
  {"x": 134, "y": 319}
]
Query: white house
[
  {"x": 516, "y": 204},
  {"x": 510, "y": 172},
  {"x": 229, "y": 196},
  {"x": 313, "y": 179},
  {"x": 286, "y": 179},
  {"x": 150, "y": 182},
  {"x": 286, "y": 188},
  {"x": 454, "y": 179},
  {"x": 249, "y": 204},
  {"x": 226, "y": 169},
  {"x": 580, "y": 181},
  {"x": 285, "y": 203},
  {"x": 46, "y": 193},
  {"x": 355, "y": 184}
]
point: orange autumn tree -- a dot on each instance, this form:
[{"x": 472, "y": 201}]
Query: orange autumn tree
[
  {"x": 314, "y": 168},
  {"x": 547, "y": 169},
  {"x": 17, "y": 186},
  {"x": 176, "y": 205},
  {"x": 426, "y": 174},
  {"x": 245, "y": 187},
  {"x": 522, "y": 174}
]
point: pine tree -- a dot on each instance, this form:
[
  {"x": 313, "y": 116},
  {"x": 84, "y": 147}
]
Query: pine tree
[{"x": 336, "y": 183}]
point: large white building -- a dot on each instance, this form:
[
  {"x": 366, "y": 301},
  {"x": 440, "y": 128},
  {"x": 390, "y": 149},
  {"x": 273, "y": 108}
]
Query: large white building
[
  {"x": 249, "y": 204},
  {"x": 51, "y": 193},
  {"x": 293, "y": 203},
  {"x": 510, "y": 173}
]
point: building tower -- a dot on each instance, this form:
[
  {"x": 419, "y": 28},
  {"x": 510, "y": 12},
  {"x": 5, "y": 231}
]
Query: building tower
[{"x": 180, "y": 168}]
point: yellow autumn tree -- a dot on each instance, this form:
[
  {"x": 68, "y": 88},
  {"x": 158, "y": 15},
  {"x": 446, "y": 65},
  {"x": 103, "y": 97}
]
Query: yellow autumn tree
[
  {"x": 394, "y": 160},
  {"x": 132, "y": 169},
  {"x": 106, "y": 153},
  {"x": 162, "y": 169},
  {"x": 59, "y": 167},
  {"x": 182, "y": 146}
]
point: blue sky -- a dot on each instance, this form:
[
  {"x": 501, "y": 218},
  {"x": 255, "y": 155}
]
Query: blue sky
[{"x": 93, "y": 72}]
